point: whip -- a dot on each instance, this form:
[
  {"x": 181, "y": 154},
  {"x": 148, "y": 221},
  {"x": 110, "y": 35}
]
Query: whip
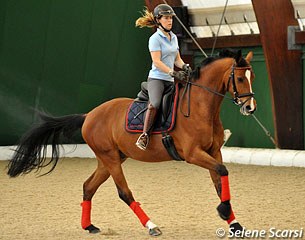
[{"x": 188, "y": 32}]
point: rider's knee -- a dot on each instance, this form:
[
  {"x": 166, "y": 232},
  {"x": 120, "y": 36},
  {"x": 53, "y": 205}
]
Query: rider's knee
[{"x": 155, "y": 103}]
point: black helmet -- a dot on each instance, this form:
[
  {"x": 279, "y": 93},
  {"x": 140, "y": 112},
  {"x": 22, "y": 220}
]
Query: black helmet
[{"x": 163, "y": 10}]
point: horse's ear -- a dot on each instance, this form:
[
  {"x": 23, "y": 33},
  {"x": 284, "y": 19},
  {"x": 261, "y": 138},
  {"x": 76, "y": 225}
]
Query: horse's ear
[
  {"x": 238, "y": 56},
  {"x": 249, "y": 56},
  {"x": 196, "y": 73}
]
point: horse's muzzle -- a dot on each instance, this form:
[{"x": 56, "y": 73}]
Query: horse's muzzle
[{"x": 248, "y": 107}]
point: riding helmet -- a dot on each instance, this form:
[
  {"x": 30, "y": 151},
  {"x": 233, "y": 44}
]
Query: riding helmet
[{"x": 163, "y": 10}]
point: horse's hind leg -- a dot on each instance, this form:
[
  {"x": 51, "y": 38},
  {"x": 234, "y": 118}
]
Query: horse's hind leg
[
  {"x": 90, "y": 186},
  {"x": 115, "y": 169}
]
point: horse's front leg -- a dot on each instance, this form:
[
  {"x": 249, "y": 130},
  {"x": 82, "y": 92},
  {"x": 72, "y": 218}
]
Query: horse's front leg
[
  {"x": 224, "y": 209},
  {"x": 220, "y": 177}
]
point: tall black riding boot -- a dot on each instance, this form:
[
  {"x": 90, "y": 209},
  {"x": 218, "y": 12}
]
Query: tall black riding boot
[{"x": 143, "y": 140}]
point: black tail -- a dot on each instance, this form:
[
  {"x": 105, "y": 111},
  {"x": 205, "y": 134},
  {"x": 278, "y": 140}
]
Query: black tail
[{"x": 32, "y": 148}]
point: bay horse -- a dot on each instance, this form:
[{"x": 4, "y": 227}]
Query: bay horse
[{"x": 198, "y": 138}]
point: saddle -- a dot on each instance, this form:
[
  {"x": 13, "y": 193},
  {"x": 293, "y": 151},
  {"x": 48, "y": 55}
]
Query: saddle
[
  {"x": 165, "y": 119},
  {"x": 167, "y": 98}
]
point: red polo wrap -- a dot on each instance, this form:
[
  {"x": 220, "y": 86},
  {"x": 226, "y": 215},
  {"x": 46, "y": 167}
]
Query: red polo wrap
[
  {"x": 86, "y": 214},
  {"x": 232, "y": 217},
  {"x": 225, "y": 190},
  {"x": 135, "y": 206}
]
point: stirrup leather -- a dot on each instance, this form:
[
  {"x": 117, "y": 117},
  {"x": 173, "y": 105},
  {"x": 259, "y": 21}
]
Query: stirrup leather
[{"x": 143, "y": 141}]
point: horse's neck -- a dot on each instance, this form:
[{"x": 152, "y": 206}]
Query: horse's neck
[{"x": 214, "y": 77}]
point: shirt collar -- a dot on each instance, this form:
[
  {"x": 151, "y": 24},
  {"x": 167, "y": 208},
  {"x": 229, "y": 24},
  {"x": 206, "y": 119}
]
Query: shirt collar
[{"x": 163, "y": 35}]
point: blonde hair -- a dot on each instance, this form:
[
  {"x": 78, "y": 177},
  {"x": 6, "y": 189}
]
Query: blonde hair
[{"x": 147, "y": 19}]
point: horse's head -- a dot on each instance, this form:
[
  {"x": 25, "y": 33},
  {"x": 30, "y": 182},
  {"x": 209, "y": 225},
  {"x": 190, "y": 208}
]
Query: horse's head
[
  {"x": 239, "y": 83},
  {"x": 234, "y": 74}
]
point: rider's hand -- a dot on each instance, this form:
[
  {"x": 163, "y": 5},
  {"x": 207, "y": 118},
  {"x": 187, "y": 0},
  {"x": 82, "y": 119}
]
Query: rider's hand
[
  {"x": 180, "y": 75},
  {"x": 187, "y": 68}
]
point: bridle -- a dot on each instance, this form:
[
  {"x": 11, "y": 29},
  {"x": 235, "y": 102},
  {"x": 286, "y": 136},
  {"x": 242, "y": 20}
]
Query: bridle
[
  {"x": 237, "y": 96},
  {"x": 236, "y": 99}
]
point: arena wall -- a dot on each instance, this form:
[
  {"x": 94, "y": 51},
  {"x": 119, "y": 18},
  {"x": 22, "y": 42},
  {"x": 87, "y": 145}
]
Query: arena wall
[{"x": 249, "y": 156}]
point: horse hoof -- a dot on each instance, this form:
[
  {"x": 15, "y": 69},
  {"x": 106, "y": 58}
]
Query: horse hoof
[
  {"x": 92, "y": 229},
  {"x": 155, "y": 232},
  {"x": 234, "y": 227},
  {"x": 224, "y": 210}
]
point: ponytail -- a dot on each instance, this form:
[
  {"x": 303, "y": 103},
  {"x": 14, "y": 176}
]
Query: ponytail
[{"x": 147, "y": 19}]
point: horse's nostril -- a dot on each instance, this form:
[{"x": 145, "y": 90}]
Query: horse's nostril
[{"x": 248, "y": 107}]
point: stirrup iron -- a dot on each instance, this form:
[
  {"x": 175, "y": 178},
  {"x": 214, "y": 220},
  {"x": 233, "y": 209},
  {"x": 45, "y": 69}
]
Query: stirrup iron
[{"x": 143, "y": 141}]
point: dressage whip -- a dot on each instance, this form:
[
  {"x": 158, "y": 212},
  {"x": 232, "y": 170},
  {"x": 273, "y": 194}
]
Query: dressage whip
[
  {"x": 264, "y": 129},
  {"x": 219, "y": 26},
  {"x": 188, "y": 32}
]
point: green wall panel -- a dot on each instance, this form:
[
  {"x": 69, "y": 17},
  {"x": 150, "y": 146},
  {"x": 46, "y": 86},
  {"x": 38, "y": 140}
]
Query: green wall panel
[
  {"x": 245, "y": 130},
  {"x": 64, "y": 61},
  {"x": 21, "y": 57},
  {"x": 67, "y": 56},
  {"x": 3, "y": 4}
]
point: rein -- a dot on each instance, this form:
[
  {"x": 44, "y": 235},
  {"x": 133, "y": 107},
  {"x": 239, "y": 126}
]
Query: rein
[{"x": 236, "y": 99}]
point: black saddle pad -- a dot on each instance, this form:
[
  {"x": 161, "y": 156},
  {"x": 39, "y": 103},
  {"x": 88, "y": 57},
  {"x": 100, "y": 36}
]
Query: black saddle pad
[{"x": 136, "y": 114}]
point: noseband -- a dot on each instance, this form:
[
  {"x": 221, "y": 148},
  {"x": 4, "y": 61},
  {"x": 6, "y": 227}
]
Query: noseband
[{"x": 237, "y": 96}]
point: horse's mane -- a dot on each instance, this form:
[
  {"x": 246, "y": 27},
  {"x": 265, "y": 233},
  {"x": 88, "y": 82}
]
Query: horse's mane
[{"x": 226, "y": 53}]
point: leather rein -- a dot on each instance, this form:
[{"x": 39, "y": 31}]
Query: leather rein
[{"x": 236, "y": 99}]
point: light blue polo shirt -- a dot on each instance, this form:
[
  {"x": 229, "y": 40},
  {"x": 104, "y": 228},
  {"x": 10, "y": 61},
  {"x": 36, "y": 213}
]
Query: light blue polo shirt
[{"x": 169, "y": 50}]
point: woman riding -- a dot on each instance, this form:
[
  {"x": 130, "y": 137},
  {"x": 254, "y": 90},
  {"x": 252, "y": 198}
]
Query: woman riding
[{"x": 164, "y": 51}]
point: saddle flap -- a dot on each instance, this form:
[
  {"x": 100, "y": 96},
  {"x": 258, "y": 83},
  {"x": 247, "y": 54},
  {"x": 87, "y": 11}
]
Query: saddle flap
[
  {"x": 165, "y": 120},
  {"x": 166, "y": 99},
  {"x": 143, "y": 94}
]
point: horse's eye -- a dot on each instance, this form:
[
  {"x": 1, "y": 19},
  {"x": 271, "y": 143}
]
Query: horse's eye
[{"x": 240, "y": 79}]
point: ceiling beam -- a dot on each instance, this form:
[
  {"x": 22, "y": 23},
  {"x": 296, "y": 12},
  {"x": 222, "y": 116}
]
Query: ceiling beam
[{"x": 250, "y": 40}]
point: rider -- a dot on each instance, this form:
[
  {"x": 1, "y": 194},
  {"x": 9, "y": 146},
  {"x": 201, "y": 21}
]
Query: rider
[{"x": 164, "y": 51}]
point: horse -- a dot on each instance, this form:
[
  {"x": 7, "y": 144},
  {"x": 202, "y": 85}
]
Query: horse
[{"x": 198, "y": 137}]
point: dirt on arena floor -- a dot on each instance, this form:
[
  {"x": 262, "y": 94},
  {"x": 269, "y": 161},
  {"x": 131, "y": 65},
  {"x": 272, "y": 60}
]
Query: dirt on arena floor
[{"x": 180, "y": 198}]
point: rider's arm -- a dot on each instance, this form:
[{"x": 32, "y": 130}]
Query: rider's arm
[
  {"x": 156, "y": 58},
  {"x": 178, "y": 61}
]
